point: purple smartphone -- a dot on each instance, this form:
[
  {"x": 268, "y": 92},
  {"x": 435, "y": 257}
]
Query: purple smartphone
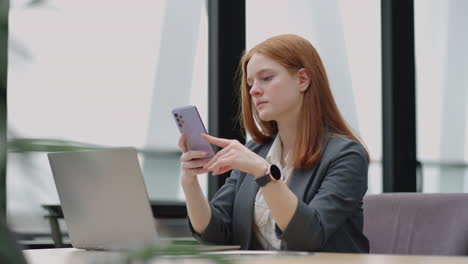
[{"x": 188, "y": 122}]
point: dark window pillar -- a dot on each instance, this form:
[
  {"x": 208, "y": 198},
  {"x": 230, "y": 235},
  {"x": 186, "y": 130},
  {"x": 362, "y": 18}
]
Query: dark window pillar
[
  {"x": 226, "y": 22},
  {"x": 398, "y": 96}
]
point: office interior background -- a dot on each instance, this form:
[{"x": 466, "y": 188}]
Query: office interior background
[{"x": 109, "y": 72}]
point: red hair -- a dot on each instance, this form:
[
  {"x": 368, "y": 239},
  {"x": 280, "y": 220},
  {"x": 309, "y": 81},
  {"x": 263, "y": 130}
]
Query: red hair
[{"x": 319, "y": 113}]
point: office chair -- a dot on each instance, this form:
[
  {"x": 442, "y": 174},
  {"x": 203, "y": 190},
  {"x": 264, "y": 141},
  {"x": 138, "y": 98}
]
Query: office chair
[{"x": 417, "y": 223}]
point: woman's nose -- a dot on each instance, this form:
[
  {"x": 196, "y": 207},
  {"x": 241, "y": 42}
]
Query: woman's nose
[{"x": 255, "y": 90}]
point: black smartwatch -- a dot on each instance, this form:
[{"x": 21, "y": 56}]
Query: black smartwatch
[{"x": 273, "y": 173}]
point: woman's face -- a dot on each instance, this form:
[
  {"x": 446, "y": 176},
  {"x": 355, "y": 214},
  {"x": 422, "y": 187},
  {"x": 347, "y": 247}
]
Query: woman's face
[{"x": 275, "y": 93}]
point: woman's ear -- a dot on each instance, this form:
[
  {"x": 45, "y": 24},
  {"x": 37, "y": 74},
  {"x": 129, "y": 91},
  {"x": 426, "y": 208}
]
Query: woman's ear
[{"x": 303, "y": 79}]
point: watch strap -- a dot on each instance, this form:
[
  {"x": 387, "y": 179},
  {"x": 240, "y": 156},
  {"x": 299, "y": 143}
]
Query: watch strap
[{"x": 262, "y": 181}]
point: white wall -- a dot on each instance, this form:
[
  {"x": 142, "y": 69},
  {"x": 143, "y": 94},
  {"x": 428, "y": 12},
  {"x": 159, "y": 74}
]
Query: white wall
[{"x": 441, "y": 38}]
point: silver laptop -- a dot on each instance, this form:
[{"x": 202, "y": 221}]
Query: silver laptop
[{"x": 104, "y": 199}]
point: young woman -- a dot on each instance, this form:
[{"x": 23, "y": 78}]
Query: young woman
[{"x": 299, "y": 184}]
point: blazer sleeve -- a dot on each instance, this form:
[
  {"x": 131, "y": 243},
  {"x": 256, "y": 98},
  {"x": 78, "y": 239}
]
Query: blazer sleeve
[
  {"x": 338, "y": 198},
  {"x": 219, "y": 229}
]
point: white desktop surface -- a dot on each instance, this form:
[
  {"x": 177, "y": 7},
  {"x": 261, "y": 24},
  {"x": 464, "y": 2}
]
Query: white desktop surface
[
  {"x": 78, "y": 256},
  {"x": 71, "y": 256}
]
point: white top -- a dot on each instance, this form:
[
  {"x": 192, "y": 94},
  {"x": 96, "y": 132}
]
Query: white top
[{"x": 264, "y": 224}]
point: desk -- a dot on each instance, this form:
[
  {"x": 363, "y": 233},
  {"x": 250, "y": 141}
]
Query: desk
[{"x": 77, "y": 256}]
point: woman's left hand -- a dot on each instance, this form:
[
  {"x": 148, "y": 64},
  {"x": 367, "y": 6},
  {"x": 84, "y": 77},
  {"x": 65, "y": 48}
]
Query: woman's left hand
[{"x": 234, "y": 155}]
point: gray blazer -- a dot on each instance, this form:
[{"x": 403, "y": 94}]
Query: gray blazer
[{"x": 329, "y": 214}]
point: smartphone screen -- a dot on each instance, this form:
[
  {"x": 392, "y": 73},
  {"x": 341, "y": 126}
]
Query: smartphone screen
[{"x": 188, "y": 122}]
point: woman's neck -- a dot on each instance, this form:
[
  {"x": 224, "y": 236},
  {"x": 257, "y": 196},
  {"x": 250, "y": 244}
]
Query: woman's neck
[{"x": 288, "y": 133}]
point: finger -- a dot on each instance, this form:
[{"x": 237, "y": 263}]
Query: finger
[
  {"x": 194, "y": 164},
  {"x": 224, "y": 169},
  {"x": 197, "y": 171},
  {"x": 220, "y": 142},
  {"x": 214, "y": 173},
  {"x": 212, "y": 160},
  {"x": 225, "y": 161},
  {"x": 193, "y": 154},
  {"x": 182, "y": 143},
  {"x": 218, "y": 156}
]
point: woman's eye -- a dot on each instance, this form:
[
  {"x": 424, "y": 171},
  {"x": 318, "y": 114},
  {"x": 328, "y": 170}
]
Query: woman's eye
[{"x": 268, "y": 78}]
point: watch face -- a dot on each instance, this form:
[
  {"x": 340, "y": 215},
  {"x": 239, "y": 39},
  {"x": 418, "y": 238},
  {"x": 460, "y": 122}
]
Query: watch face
[{"x": 275, "y": 172}]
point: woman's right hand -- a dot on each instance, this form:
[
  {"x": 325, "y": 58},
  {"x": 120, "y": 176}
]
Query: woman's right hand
[{"x": 191, "y": 163}]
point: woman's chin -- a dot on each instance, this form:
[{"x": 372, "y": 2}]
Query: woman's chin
[{"x": 265, "y": 117}]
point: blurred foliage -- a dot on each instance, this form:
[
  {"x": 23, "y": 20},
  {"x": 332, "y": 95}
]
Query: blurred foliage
[
  {"x": 34, "y": 3},
  {"x": 9, "y": 251},
  {"x": 24, "y": 145},
  {"x": 4, "y": 6}
]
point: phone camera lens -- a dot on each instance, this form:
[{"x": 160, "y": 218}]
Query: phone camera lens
[
  {"x": 176, "y": 115},
  {"x": 178, "y": 120},
  {"x": 180, "y": 125}
]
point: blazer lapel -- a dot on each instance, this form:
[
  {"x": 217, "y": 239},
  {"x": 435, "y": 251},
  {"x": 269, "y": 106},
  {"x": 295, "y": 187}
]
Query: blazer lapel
[
  {"x": 301, "y": 179},
  {"x": 245, "y": 205},
  {"x": 246, "y": 201}
]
